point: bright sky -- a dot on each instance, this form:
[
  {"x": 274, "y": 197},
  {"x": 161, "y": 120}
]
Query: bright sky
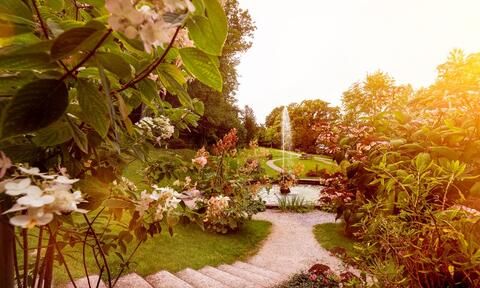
[{"x": 310, "y": 49}]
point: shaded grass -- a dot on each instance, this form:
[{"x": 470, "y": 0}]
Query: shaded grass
[
  {"x": 332, "y": 235},
  {"x": 188, "y": 247}
]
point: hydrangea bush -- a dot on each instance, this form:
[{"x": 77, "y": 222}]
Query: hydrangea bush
[{"x": 82, "y": 85}]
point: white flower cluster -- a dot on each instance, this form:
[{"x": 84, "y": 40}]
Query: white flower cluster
[
  {"x": 158, "y": 128},
  {"x": 39, "y": 196},
  {"x": 154, "y": 23},
  {"x": 162, "y": 199},
  {"x": 216, "y": 207}
]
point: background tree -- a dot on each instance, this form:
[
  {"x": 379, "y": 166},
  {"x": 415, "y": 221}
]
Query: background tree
[
  {"x": 303, "y": 117},
  {"x": 374, "y": 96},
  {"x": 221, "y": 113},
  {"x": 250, "y": 124}
]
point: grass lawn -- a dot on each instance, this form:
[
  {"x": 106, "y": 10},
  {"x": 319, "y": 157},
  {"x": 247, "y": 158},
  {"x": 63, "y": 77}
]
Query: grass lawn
[
  {"x": 291, "y": 160},
  {"x": 331, "y": 235},
  {"x": 189, "y": 247}
]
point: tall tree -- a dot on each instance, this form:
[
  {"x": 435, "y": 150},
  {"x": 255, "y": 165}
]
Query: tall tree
[
  {"x": 374, "y": 96},
  {"x": 221, "y": 113},
  {"x": 250, "y": 124}
]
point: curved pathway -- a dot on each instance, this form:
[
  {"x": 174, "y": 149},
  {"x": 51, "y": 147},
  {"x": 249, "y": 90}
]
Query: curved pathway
[{"x": 291, "y": 247}]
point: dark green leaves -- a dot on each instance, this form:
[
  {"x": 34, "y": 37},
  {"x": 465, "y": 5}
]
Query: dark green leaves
[
  {"x": 35, "y": 106},
  {"x": 95, "y": 106},
  {"x": 55, "y": 134},
  {"x": 202, "y": 67},
  {"x": 38, "y": 61},
  {"x": 71, "y": 41}
]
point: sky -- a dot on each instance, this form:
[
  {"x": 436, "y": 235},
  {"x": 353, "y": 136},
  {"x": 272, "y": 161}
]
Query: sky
[{"x": 316, "y": 49}]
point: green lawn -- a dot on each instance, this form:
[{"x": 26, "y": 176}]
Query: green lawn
[
  {"x": 291, "y": 160},
  {"x": 189, "y": 247},
  {"x": 331, "y": 235}
]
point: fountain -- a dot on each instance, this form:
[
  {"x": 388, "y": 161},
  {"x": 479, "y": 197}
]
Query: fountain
[
  {"x": 286, "y": 179},
  {"x": 287, "y": 186}
]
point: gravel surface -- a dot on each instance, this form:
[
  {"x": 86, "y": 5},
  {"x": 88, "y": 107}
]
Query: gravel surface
[{"x": 292, "y": 247}]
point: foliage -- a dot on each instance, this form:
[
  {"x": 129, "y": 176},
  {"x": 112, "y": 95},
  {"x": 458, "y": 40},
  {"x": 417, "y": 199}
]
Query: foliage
[
  {"x": 321, "y": 276},
  {"x": 302, "y": 116},
  {"x": 411, "y": 166},
  {"x": 72, "y": 75},
  {"x": 221, "y": 113},
  {"x": 294, "y": 203},
  {"x": 222, "y": 189}
]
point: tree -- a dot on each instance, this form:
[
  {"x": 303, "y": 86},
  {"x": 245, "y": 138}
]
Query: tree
[
  {"x": 221, "y": 114},
  {"x": 377, "y": 94},
  {"x": 250, "y": 124},
  {"x": 303, "y": 117}
]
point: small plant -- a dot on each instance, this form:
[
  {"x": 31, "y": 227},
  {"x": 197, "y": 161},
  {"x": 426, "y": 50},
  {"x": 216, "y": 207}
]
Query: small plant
[{"x": 294, "y": 203}]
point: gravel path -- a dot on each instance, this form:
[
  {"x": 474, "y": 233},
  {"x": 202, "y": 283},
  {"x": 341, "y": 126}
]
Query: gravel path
[{"x": 292, "y": 247}]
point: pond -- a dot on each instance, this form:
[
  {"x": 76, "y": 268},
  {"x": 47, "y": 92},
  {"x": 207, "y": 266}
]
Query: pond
[{"x": 311, "y": 193}]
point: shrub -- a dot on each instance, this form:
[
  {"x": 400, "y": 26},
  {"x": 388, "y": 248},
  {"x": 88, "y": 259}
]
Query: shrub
[{"x": 294, "y": 203}]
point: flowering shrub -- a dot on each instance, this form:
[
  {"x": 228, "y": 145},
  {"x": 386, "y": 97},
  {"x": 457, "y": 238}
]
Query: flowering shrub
[
  {"x": 220, "y": 190},
  {"x": 75, "y": 79},
  {"x": 408, "y": 177},
  {"x": 39, "y": 196},
  {"x": 156, "y": 129}
]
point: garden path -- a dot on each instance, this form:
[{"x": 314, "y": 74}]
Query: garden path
[{"x": 291, "y": 246}]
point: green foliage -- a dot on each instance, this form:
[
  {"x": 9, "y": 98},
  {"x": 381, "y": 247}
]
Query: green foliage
[
  {"x": 411, "y": 172},
  {"x": 294, "y": 203}
]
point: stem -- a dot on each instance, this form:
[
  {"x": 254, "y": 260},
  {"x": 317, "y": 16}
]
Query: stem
[
  {"x": 84, "y": 250},
  {"x": 47, "y": 273},
  {"x": 100, "y": 249},
  {"x": 144, "y": 73},
  {"x": 37, "y": 260},
  {"x": 89, "y": 55},
  {"x": 40, "y": 19},
  {"x": 7, "y": 251},
  {"x": 25, "y": 257},
  {"x": 61, "y": 257},
  {"x": 128, "y": 260}
]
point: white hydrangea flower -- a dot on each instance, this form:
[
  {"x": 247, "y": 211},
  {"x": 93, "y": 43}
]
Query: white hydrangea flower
[
  {"x": 34, "y": 217},
  {"x": 34, "y": 171}
]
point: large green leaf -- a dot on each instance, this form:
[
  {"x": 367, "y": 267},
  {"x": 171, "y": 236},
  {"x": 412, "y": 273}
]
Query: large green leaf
[
  {"x": 72, "y": 41},
  {"x": 202, "y": 67},
  {"x": 201, "y": 32},
  {"x": 218, "y": 20},
  {"x": 35, "y": 106},
  {"x": 95, "y": 107},
  {"x": 79, "y": 136},
  {"x": 55, "y": 134},
  {"x": 115, "y": 64}
]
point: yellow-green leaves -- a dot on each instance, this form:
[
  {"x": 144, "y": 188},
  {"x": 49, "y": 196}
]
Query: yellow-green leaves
[
  {"x": 209, "y": 31},
  {"x": 202, "y": 67},
  {"x": 74, "y": 40}
]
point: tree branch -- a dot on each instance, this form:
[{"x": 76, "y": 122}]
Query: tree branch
[{"x": 145, "y": 72}]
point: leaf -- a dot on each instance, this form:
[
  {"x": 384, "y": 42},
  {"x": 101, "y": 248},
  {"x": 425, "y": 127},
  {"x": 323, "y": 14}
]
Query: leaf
[
  {"x": 15, "y": 7},
  {"x": 55, "y": 134},
  {"x": 422, "y": 162},
  {"x": 37, "y": 61},
  {"x": 95, "y": 190},
  {"x": 79, "y": 137},
  {"x": 71, "y": 41},
  {"x": 201, "y": 32},
  {"x": 35, "y": 106},
  {"x": 202, "y": 67},
  {"x": 171, "y": 79},
  {"x": 118, "y": 203},
  {"x": 56, "y": 5},
  {"x": 218, "y": 20},
  {"x": 115, "y": 64},
  {"x": 95, "y": 107}
]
